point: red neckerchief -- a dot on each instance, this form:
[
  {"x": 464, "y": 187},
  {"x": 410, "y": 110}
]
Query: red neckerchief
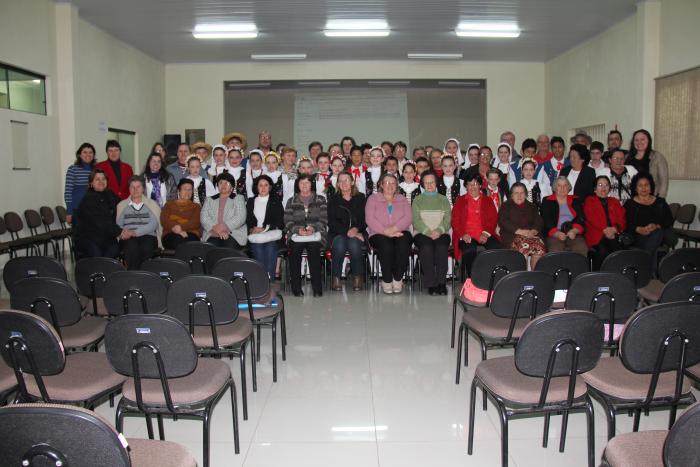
[
  {"x": 494, "y": 195},
  {"x": 324, "y": 175}
]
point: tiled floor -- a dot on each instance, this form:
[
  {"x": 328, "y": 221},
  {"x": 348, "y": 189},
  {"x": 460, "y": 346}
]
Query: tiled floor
[{"x": 369, "y": 381}]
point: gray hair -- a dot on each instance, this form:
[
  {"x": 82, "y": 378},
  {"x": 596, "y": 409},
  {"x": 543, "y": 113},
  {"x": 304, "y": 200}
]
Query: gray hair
[{"x": 559, "y": 179}]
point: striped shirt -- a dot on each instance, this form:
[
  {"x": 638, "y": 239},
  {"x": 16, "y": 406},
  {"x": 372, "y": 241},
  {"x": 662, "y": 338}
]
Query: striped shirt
[{"x": 76, "y": 186}]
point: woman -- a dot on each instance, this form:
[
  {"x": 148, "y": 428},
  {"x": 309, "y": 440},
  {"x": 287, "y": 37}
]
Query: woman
[
  {"x": 77, "y": 177},
  {"x": 160, "y": 185},
  {"x": 223, "y": 216},
  {"x": 474, "y": 220},
  {"x": 160, "y": 149},
  {"x": 449, "y": 184},
  {"x": 346, "y": 230},
  {"x": 649, "y": 219},
  {"x": 521, "y": 225},
  {"x": 272, "y": 170},
  {"x": 432, "y": 215},
  {"x": 620, "y": 176},
  {"x": 373, "y": 173},
  {"x": 452, "y": 147},
  {"x": 482, "y": 170},
  {"x": 388, "y": 217},
  {"x": 236, "y": 169},
  {"x": 219, "y": 163},
  {"x": 305, "y": 218},
  {"x": 180, "y": 217},
  {"x": 409, "y": 187},
  {"x": 139, "y": 217},
  {"x": 253, "y": 169},
  {"x": 562, "y": 214},
  {"x": 605, "y": 221},
  {"x": 503, "y": 156},
  {"x": 580, "y": 175},
  {"x": 537, "y": 188},
  {"x": 265, "y": 221},
  {"x": 203, "y": 188},
  {"x": 96, "y": 230},
  {"x": 643, "y": 158}
]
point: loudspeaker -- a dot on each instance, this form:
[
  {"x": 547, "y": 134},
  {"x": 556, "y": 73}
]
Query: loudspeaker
[{"x": 171, "y": 142}]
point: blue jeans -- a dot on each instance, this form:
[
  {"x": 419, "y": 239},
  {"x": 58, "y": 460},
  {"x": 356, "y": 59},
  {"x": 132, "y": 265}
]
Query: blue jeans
[
  {"x": 340, "y": 245},
  {"x": 266, "y": 253}
]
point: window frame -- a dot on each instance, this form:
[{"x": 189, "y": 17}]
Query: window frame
[{"x": 7, "y": 68}]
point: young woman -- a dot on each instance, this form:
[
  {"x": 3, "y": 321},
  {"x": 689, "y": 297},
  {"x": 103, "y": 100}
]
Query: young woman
[
  {"x": 323, "y": 174},
  {"x": 180, "y": 217},
  {"x": 77, "y": 177},
  {"x": 160, "y": 185},
  {"x": 374, "y": 171},
  {"x": 409, "y": 187},
  {"x": 236, "y": 169},
  {"x": 452, "y": 148},
  {"x": 642, "y": 157},
  {"x": 448, "y": 184},
  {"x": 96, "y": 230},
  {"x": 264, "y": 215},
  {"x": 219, "y": 161},
  {"x": 337, "y": 167},
  {"x": 472, "y": 155},
  {"x": 203, "y": 188},
  {"x": 272, "y": 162},
  {"x": 253, "y": 170},
  {"x": 503, "y": 156}
]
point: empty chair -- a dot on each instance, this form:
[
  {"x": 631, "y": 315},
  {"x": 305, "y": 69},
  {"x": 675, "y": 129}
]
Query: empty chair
[
  {"x": 77, "y": 437},
  {"x": 158, "y": 355},
  {"x": 657, "y": 345},
  {"x": 194, "y": 254},
  {"x": 635, "y": 264},
  {"x": 33, "y": 224},
  {"x": 542, "y": 376},
  {"x": 135, "y": 292},
  {"x": 59, "y": 235},
  {"x": 517, "y": 299},
  {"x": 31, "y": 266},
  {"x": 14, "y": 225},
  {"x": 253, "y": 290},
  {"x": 683, "y": 287},
  {"x": 90, "y": 276},
  {"x": 8, "y": 383},
  {"x": 684, "y": 216},
  {"x": 674, "y": 207},
  {"x": 488, "y": 267},
  {"x": 170, "y": 269},
  {"x": 674, "y": 263},
  {"x": 6, "y": 248},
  {"x": 43, "y": 372},
  {"x": 217, "y": 254},
  {"x": 57, "y": 302},
  {"x": 564, "y": 266}
]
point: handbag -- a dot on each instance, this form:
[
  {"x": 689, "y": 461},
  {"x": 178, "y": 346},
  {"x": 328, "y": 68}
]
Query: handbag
[
  {"x": 314, "y": 237},
  {"x": 266, "y": 236}
]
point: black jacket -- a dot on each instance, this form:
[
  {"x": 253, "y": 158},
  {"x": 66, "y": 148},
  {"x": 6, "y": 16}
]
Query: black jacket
[
  {"x": 274, "y": 214},
  {"x": 550, "y": 214},
  {"x": 585, "y": 183},
  {"x": 96, "y": 218},
  {"x": 344, "y": 215}
]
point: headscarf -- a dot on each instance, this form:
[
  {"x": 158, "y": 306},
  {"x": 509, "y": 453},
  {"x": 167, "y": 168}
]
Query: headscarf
[{"x": 458, "y": 157}]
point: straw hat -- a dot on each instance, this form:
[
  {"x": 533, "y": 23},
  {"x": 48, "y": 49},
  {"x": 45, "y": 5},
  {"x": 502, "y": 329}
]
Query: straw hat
[
  {"x": 235, "y": 134},
  {"x": 201, "y": 145}
]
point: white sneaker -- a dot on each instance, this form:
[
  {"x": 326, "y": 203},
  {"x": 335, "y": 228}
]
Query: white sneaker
[
  {"x": 397, "y": 286},
  {"x": 387, "y": 288}
]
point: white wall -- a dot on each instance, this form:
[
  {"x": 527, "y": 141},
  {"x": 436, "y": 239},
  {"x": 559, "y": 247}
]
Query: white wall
[
  {"x": 194, "y": 93},
  {"x": 680, "y": 35}
]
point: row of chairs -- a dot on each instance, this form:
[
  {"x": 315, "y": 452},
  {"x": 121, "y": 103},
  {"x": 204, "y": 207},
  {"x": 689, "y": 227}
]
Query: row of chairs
[
  {"x": 42, "y": 232},
  {"x": 685, "y": 216}
]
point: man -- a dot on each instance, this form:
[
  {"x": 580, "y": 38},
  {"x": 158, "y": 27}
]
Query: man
[
  {"x": 202, "y": 150},
  {"x": 614, "y": 142},
  {"x": 117, "y": 172},
  {"x": 235, "y": 140},
  {"x": 509, "y": 137},
  {"x": 418, "y": 151},
  {"x": 315, "y": 148},
  {"x": 265, "y": 141},
  {"x": 558, "y": 161},
  {"x": 582, "y": 138},
  {"x": 543, "y": 150},
  {"x": 178, "y": 169}
]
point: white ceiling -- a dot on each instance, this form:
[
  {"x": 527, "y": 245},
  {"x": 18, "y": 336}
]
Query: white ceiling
[{"x": 163, "y": 28}]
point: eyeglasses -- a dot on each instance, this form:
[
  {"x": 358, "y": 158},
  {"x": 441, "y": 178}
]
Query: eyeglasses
[{"x": 603, "y": 185}]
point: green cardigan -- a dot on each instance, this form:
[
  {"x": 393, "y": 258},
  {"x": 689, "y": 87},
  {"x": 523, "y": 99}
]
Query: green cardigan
[{"x": 430, "y": 208}]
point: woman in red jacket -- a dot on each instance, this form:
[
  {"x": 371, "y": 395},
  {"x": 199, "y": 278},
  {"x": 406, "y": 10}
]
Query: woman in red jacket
[
  {"x": 474, "y": 219},
  {"x": 605, "y": 220},
  {"x": 117, "y": 172}
]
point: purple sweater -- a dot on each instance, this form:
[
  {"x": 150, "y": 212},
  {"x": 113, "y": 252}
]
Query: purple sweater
[{"x": 377, "y": 214}]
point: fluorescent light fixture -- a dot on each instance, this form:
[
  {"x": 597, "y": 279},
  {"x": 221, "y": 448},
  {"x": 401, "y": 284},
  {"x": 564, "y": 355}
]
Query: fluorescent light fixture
[
  {"x": 487, "y": 29},
  {"x": 278, "y": 56},
  {"x": 458, "y": 83},
  {"x": 225, "y": 31},
  {"x": 318, "y": 83},
  {"x": 36, "y": 81},
  {"x": 389, "y": 83},
  {"x": 255, "y": 84},
  {"x": 357, "y": 28},
  {"x": 431, "y": 56}
]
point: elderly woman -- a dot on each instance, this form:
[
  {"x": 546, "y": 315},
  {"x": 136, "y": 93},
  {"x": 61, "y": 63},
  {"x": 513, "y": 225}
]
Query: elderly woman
[
  {"x": 562, "y": 214},
  {"x": 139, "y": 216},
  {"x": 581, "y": 177},
  {"x": 306, "y": 218},
  {"x": 605, "y": 220},
  {"x": 432, "y": 215},
  {"x": 346, "y": 229},
  {"x": 96, "y": 229},
  {"x": 388, "y": 217},
  {"x": 521, "y": 225},
  {"x": 474, "y": 219},
  {"x": 643, "y": 158},
  {"x": 180, "y": 217},
  {"x": 160, "y": 185},
  {"x": 265, "y": 221},
  {"x": 620, "y": 176},
  {"x": 223, "y": 216}
]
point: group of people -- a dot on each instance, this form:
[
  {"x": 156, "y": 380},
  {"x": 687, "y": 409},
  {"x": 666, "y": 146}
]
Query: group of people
[{"x": 355, "y": 199}]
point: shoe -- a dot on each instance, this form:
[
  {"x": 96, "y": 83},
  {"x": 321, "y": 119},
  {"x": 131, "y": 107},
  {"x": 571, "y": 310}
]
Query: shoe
[
  {"x": 432, "y": 291},
  {"x": 357, "y": 283},
  {"x": 397, "y": 286},
  {"x": 442, "y": 289},
  {"x": 387, "y": 288},
  {"x": 335, "y": 284},
  {"x": 318, "y": 293},
  {"x": 298, "y": 293}
]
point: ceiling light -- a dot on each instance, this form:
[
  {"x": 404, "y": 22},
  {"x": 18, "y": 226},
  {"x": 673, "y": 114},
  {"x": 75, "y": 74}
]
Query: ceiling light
[
  {"x": 431, "y": 56},
  {"x": 318, "y": 83},
  {"x": 459, "y": 83},
  {"x": 388, "y": 83},
  {"x": 278, "y": 56},
  {"x": 357, "y": 28},
  {"x": 487, "y": 29},
  {"x": 225, "y": 31}
]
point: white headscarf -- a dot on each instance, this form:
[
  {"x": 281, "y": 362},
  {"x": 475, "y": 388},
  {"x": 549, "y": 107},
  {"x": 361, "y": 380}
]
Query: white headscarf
[
  {"x": 458, "y": 156},
  {"x": 212, "y": 164}
]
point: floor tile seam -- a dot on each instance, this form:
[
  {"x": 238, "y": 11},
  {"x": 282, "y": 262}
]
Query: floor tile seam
[{"x": 369, "y": 366}]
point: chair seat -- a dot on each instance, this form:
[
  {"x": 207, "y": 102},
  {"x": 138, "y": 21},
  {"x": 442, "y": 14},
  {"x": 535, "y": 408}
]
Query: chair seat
[
  {"x": 694, "y": 372},
  {"x": 101, "y": 308},
  {"x": 200, "y": 385},
  {"x": 641, "y": 449},
  {"x": 652, "y": 291},
  {"x": 152, "y": 453},
  {"x": 612, "y": 378},
  {"x": 85, "y": 375},
  {"x": 84, "y": 301},
  {"x": 87, "y": 331},
  {"x": 469, "y": 303},
  {"x": 7, "y": 377},
  {"x": 502, "y": 378},
  {"x": 227, "y": 334},
  {"x": 483, "y": 321}
]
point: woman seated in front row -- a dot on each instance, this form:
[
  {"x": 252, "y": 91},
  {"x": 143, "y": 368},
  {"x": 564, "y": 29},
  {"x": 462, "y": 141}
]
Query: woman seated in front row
[
  {"x": 223, "y": 216},
  {"x": 265, "y": 221},
  {"x": 180, "y": 217},
  {"x": 96, "y": 229},
  {"x": 562, "y": 214},
  {"x": 139, "y": 216},
  {"x": 521, "y": 225},
  {"x": 605, "y": 221}
]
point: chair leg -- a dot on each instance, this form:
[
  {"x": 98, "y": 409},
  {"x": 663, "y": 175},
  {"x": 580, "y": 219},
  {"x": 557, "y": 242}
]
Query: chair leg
[
  {"x": 253, "y": 363},
  {"x": 590, "y": 430},
  {"x": 259, "y": 339},
  {"x": 149, "y": 426},
  {"x": 454, "y": 323},
  {"x": 637, "y": 416},
  {"x": 244, "y": 385},
  {"x": 119, "y": 422},
  {"x": 459, "y": 352},
  {"x": 504, "y": 434},
  {"x": 234, "y": 413},
  {"x": 161, "y": 429},
  {"x": 564, "y": 424},
  {"x": 610, "y": 415},
  {"x": 283, "y": 333},
  {"x": 472, "y": 410},
  {"x": 205, "y": 437},
  {"x": 274, "y": 350},
  {"x": 671, "y": 415},
  {"x": 545, "y": 435}
]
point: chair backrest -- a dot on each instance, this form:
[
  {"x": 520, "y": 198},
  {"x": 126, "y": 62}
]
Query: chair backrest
[
  {"x": 13, "y": 222},
  {"x": 62, "y": 214},
  {"x": 674, "y": 207},
  {"x": 22, "y": 267},
  {"x": 645, "y": 333},
  {"x": 635, "y": 264},
  {"x": 681, "y": 447},
  {"x": 47, "y": 216},
  {"x": 679, "y": 261},
  {"x": 201, "y": 290},
  {"x": 565, "y": 331},
  {"x": 491, "y": 265},
  {"x": 217, "y": 254},
  {"x": 19, "y": 327},
  {"x": 686, "y": 214},
  {"x": 194, "y": 254},
  {"x": 168, "y": 335},
  {"x": 601, "y": 293},
  {"x": 92, "y": 273},
  {"x": 684, "y": 287},
  {"x": 33, "y": 219},
  {"x": 141, "y": 291},
  {"x": 74, "y": 436},
  {"x": 3, "y": 228},
  {"x": 168, "y": 269},
  {"x": 564, "y": 266},
  {"x": 253, "y": 272},
  {"x": 523, "y": 293},
  {"x": 52, "y": 299}
]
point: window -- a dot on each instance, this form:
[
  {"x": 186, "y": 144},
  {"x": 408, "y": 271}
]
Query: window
[
  {"x": 596, "y": 132},
  {"x": 677, "y": 123},
  {"x": 22, "y": 90}
]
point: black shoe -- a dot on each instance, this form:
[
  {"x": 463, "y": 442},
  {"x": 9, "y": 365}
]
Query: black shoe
[
  {"x": 318, "y": 293},
  {"x": 442, "y": 289},
  {"x": 431, "y": 291},
  {"x": 298, "y": 293}
]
